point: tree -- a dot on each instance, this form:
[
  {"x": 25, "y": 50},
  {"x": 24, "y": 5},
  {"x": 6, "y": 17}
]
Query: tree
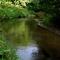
[{"x": 51, "y": 7}]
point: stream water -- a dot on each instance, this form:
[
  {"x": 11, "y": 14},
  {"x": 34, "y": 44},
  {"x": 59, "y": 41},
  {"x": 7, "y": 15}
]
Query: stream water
[
  {"x": 27, "y": 52},
  {"x": 19, "y": 35}
]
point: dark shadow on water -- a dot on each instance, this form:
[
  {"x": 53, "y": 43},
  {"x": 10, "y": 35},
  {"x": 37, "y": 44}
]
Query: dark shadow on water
[{"x": 32, "y": 52}]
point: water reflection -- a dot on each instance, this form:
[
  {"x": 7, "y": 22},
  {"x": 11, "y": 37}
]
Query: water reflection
[{"x": 27, "y": 52}]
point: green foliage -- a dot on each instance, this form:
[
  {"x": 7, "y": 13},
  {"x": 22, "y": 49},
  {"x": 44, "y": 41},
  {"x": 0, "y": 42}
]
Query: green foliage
[
  {"x": 50, "y": 7},
  {"x": 33, "y": 5},
  {"x": 47, "y": 19},
  {"x": 6, "y": 52},
  {"x": 9, "y": 11}
]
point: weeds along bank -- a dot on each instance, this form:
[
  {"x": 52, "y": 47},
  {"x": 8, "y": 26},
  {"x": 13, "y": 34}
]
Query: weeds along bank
[{"x": 6, "y": 51}]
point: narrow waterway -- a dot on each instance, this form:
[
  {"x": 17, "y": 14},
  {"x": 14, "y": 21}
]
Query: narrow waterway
[{"x": 27, "y": 39}]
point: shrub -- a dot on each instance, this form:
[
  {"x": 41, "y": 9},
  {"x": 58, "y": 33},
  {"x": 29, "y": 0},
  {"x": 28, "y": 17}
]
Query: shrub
[
  {"x": 6, "y": 51},
  {"x": 9, "y": 11}
]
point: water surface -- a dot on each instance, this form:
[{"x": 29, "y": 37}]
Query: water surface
[{"x": 27, "y": 52}]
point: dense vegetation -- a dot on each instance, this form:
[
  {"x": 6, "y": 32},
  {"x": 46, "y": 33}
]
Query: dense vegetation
[
  {"x": 50, "y": 7},
  {"x": 11, "y": 11},
  {"x": 6, "y": 51}
]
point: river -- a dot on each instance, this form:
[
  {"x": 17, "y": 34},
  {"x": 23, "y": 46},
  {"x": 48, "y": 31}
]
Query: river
[{"x": 29, "y": 39}]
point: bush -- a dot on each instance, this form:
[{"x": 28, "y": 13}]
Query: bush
[
  {"x": 47, "y": 19},
  {"x": 6, "y": 51},
  {"x": 8, "y": 11},
  {"x": 51, "y": 7}
]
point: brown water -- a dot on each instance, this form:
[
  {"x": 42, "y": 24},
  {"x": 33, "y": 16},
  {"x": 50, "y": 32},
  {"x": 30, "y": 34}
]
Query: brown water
[{"x": 30, "y": 42}]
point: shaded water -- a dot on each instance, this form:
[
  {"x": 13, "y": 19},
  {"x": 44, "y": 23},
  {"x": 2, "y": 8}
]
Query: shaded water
[
  {"x": 27, "y": 49},
  {"x": 19, "y": 36}
]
